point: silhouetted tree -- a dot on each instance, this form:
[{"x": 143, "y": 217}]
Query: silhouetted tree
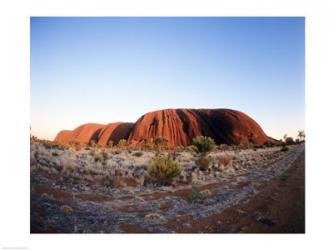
[{"x": 301, "y": 135}]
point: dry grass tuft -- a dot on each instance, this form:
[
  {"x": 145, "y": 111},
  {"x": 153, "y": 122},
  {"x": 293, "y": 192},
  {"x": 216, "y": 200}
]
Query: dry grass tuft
[
  {"x": 67, "y": 165},
  {"x": 225, "y": 160},
  {"x": 203, "y": 162}
]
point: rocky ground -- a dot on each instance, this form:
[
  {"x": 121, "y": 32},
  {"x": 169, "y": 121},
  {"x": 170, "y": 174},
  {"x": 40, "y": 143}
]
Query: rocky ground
[{"x": 103, "y": 190}]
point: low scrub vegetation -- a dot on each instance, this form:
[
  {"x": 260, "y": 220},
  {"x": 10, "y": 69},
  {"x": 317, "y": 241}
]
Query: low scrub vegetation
[
  {"x": 268, "y": 144},
  {"x": 98, "y": 158},
  {"x": 289, "y": 141},
  {"x": 195, "y": 196},
  {"x": 160, "y": 143},
  {"x": 164, "y": 169},
  {"x": 284, "y": 148},
  {"x": 203, "y": 162},
  {"x": 223, "y": 147},
  {"x": 122, "y": 143},
  {"x": 138, "y": 154},
  {"x": 202, "y": 145},
  {"x": 67, "y": 166},
  {"x": 225, "y": 160}
]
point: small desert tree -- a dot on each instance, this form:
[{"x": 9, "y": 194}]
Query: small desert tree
[
  {"x": 301, "y": 135},
  {"x": 289, "y": 140}
]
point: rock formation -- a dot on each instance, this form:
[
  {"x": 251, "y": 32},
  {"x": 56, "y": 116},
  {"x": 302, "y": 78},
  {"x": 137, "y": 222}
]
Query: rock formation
[
  {"x": 114, "y": 132},
  {"x": 176, "y": 126},
  {"x": 179, "y": 126},
  {"x": 101, "y": 134}
]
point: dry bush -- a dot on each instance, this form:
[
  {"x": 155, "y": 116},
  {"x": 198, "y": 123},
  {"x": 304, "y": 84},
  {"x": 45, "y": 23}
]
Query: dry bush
[
  {"x": 122, "y": 143},
  {"x": 225, "y": 160},
  {"x": 67, "y": 165},
  {"x": 92, "y": 152},
  {"x": 116, "y": 152},
  {"x": 203, "y": 162}
]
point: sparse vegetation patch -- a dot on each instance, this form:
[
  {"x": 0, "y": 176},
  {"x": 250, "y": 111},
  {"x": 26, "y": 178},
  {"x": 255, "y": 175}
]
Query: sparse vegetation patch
[{"x": 164, "y": 169}]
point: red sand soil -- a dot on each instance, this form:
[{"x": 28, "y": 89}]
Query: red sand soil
[{"x": 281, "y": 201}]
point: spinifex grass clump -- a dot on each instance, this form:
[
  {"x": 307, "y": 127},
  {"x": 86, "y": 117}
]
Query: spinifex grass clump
[
  {"x": 225, "y": 160},
  {"x": 202, "y": 145},
  {"x": 203, "y": 162},
  {"x": 164, "y": 169}
]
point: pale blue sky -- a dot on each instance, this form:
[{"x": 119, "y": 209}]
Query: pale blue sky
[{"x": 116, "y": 69}]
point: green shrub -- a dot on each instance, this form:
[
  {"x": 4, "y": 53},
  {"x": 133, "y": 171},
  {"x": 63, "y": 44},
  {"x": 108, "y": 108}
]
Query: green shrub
[
  {"x": 202, "y": 144},
  {"x": 268, "y": 144},
  {"x": 284, "y": 148},
  {"x": 289, "y": 141},
  {"x": 164, "y": 169},
  {"x": 138, "y": 154},
  {"x": 98, "y": 158},
  {"x": 195, "y": 195},
  {"x": 203, "y": 162}
]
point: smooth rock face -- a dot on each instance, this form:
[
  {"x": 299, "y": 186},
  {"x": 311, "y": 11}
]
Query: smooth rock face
[
  {"x": 114, "y": 132},
  {"x": 100, "y": 133},
  {"x": 177, "y": 126},
  {"x": 64, "y": 136},
  {"x": 87, "y": 132}
]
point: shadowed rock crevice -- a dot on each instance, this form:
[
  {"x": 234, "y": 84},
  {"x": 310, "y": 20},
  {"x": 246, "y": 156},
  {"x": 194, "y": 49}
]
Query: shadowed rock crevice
[{"x": 122, "y": 131}]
